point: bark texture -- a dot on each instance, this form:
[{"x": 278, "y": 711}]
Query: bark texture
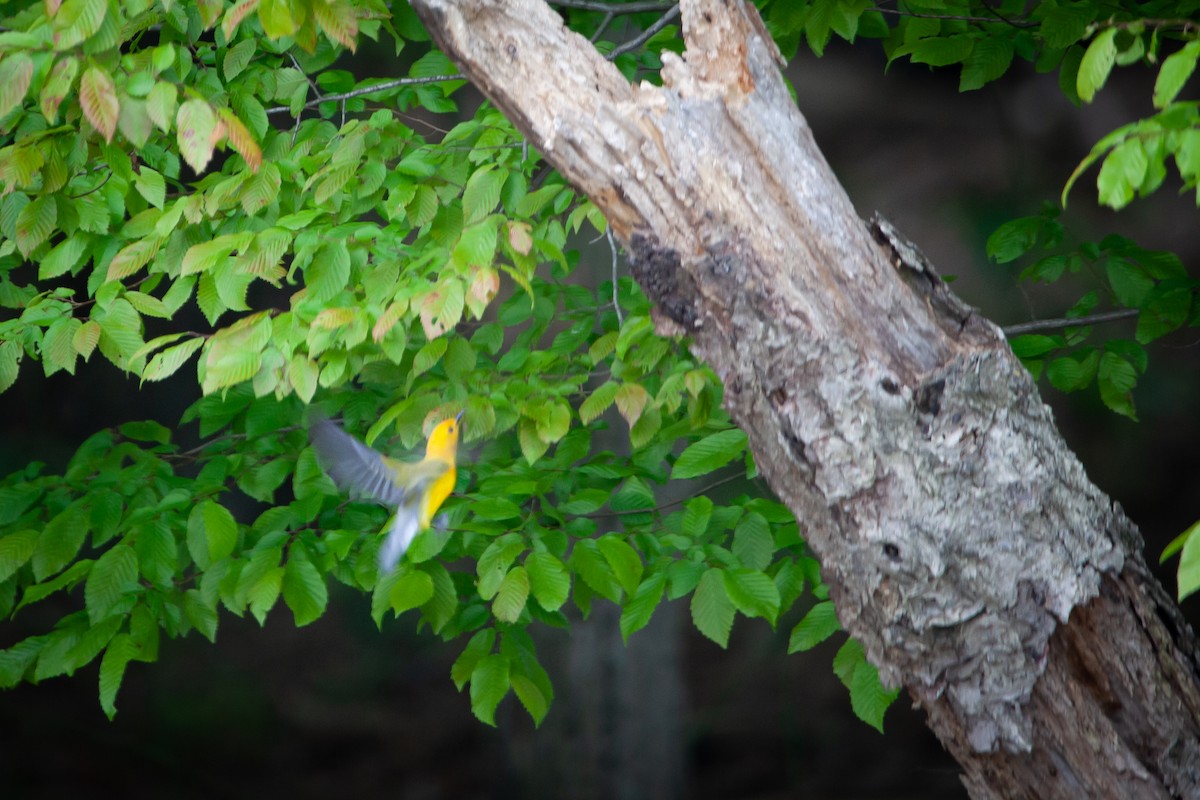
[{"x": 963, "y": 542}]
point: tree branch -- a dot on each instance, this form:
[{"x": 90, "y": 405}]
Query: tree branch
[{"x": 1069, "y": 322}]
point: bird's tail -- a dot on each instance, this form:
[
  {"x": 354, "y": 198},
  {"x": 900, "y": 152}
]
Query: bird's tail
[{"x": 405, "y": 528}]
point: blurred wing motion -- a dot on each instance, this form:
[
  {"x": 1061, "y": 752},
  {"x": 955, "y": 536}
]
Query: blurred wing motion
[{"x": 365, "y": 473}]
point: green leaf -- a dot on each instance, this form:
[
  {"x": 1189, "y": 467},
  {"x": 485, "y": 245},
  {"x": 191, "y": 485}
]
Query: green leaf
[
  {"x": 598, "y": 401},
  {"x": 1014, "y": 239},
  {"x": 16, "y": 73},
  {"x": 989, "y": 59},
  {"x": 1116, "y": 378},
  {"x": 818, "y": 624},
  {"x": 625, "y": 562},
  {"x": 752, "y": 592},
  {"x": 482, "y": 193},
  {"x": 195, "y": 123},
  {"x": 1129, "y": 282},
  {"x": 511, "y": 597},
  {"x": 548, "y": 579},
  {"x": 15, "y": 550},
  {"x": 304, "y": 589},
  {"x": 1174, "y": 73},
  {"x": 1097, "y": 62},
  {"x": 712, "y": 610},
  {"x": 112, "y": 578},
  {"x": 1188, "y": 576},
  {"x": 638, "y": 609},
  {"x": 868, "y": 698},
  {"x": 696, "y": 515},
  {"x": 752, "y": 541},
  {"x": 595, "y": 570},
  {"x": 941, "y": 51},
  {"x": 410, "y": 590},
  {"x": 1122, "y": 173},
  {"x": 489, "y": 684},
  {"x": 710, "y": 453},
  {"x": 464, "y": 666},
  {"x": 167, "y": 362},
  {"x": 59, "y": 541},
  {"x": 120, "y": 651},
  {"x": 220, "y": 529}
]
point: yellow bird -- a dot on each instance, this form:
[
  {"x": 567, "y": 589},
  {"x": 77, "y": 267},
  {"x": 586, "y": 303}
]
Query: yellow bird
[{"x": 416, "y": 490}]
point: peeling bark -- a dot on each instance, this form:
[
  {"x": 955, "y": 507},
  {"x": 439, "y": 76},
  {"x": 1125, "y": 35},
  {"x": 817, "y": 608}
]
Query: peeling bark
[{"x": 961, "y": 539}]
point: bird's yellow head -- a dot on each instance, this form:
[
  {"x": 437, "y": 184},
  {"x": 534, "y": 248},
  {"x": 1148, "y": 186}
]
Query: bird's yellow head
[{"x": 443, "y": 439}]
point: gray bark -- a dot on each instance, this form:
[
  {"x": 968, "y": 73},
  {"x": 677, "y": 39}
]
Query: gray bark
[{"x": 963, "y": 543}]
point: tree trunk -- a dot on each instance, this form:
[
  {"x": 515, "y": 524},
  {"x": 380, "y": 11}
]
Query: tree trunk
[{"x": 963, "y": 543}]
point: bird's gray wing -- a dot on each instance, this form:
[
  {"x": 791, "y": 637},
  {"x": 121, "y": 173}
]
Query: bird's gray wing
[{"x": 354, "y": 467}]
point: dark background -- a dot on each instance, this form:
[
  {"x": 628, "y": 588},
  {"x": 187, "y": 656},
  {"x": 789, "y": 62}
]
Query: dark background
[{"x": 341, "y": 709}]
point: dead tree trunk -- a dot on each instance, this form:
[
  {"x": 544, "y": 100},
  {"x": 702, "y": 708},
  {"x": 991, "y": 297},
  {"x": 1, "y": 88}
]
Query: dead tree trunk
[{"x": 963, "y": 542}]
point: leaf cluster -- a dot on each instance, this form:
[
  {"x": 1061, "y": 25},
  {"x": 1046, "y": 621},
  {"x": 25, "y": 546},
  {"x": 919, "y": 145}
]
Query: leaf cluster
[{"x": 205, "y": 180}]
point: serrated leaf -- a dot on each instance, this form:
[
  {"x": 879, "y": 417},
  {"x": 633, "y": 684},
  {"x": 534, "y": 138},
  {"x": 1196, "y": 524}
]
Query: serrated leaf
[
  {"x": 196, "y": 125},
  {"x": 548, "y": 580},
  {"x": 512, "y": 595},
  {"x": 817, "y": 625},
  {"x": 479, "y": 646},
  {"x": 98, "y": 99},
  {"x": 989, "y": 59},
  {"x": 489, "y": 684},
  {"x": 482, "y": 193},
  {"x": 113, "y": 576},
  {"x": 598, "y": 401},
  {"x": 16, "y": 549},
  {"x": 752, "y": 592},
  {"x": 16, "y": 73},
  {"x": 59, "y": 541},
  {"x": 631, "y": 399},
  {"x": 639, "y": 608},
  {"x": 710, "y": 453},
  {"x": 35, "y": 223},
  {"x": 625, "y": 562},
  {"x": 120, "y": 651},
  {"x": 868, "y": 698},
  {"x": 167, "y": 362},
  {"x": 1097, "y": 62},
  {"x": 712, "y": 610},
  {"x": 304, "y": 589},
  {"x": 752, "y": 541}
]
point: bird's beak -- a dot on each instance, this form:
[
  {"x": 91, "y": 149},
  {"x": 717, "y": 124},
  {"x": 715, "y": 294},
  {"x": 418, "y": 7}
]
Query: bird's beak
[{"x": 458, "y": 417}]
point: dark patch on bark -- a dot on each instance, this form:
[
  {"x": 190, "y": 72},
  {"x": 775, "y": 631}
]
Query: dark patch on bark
[
  {"x": 929, "y": 397},
  {"x": 659, "y": 272}
]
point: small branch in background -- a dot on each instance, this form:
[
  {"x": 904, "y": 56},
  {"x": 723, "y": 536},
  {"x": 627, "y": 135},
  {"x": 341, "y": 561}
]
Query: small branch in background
[
  {"x": 378, "y": 87},
  {"x": 1069, "y": 322},
  {"x": 612, "y": 8},
  {"x": 612, "y": 243},
  {"x": 645, "y": 35}
]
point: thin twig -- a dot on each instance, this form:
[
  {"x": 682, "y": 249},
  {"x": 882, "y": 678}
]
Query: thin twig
[
  {"x": 612, "y": 8},
  {"x": 698, "y": 493},
  {"x": 645, "y": 35},
  {"x": 378, "y": 87},
  {"x": 1069, "y": 322},
  {"x": 956, "y": 17},
  {"x": 612, "y": 244}
]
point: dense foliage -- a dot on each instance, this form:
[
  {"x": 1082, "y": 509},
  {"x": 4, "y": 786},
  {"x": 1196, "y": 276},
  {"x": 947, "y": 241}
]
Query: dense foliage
[{"x": 225, "y": 182}]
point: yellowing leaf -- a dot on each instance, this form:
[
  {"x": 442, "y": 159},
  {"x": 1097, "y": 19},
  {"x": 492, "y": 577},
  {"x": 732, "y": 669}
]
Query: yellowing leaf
[
  {"x": 484, "y": 286},
  {"x": 197, "y": 125},
  {"x": 388, "y": 319},
  {"x": 56, "y": 87},
  {"x": 35, "y": 222},
  {"x": 631, "y": 401},
  {"x": 16, "y": 71},
  {"x": 235, "y": 15},
  {"x": 98, "y": 99},
  {"x": 338, "y": 21},
  {"x": 241, "y": 140},
  {"x": 132, "y": 257},
  {"x": 518, "y": 237}
]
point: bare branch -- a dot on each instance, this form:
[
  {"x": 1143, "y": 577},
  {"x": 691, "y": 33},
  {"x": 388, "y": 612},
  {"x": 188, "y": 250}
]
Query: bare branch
[
  {"x": 645, "y": 35},
  {"x": 1069, "y": 322},
  {"x": 365, "y": 90}
]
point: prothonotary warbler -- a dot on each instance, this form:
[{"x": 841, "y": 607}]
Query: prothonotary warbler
[{"x": 416, "y": 490}]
